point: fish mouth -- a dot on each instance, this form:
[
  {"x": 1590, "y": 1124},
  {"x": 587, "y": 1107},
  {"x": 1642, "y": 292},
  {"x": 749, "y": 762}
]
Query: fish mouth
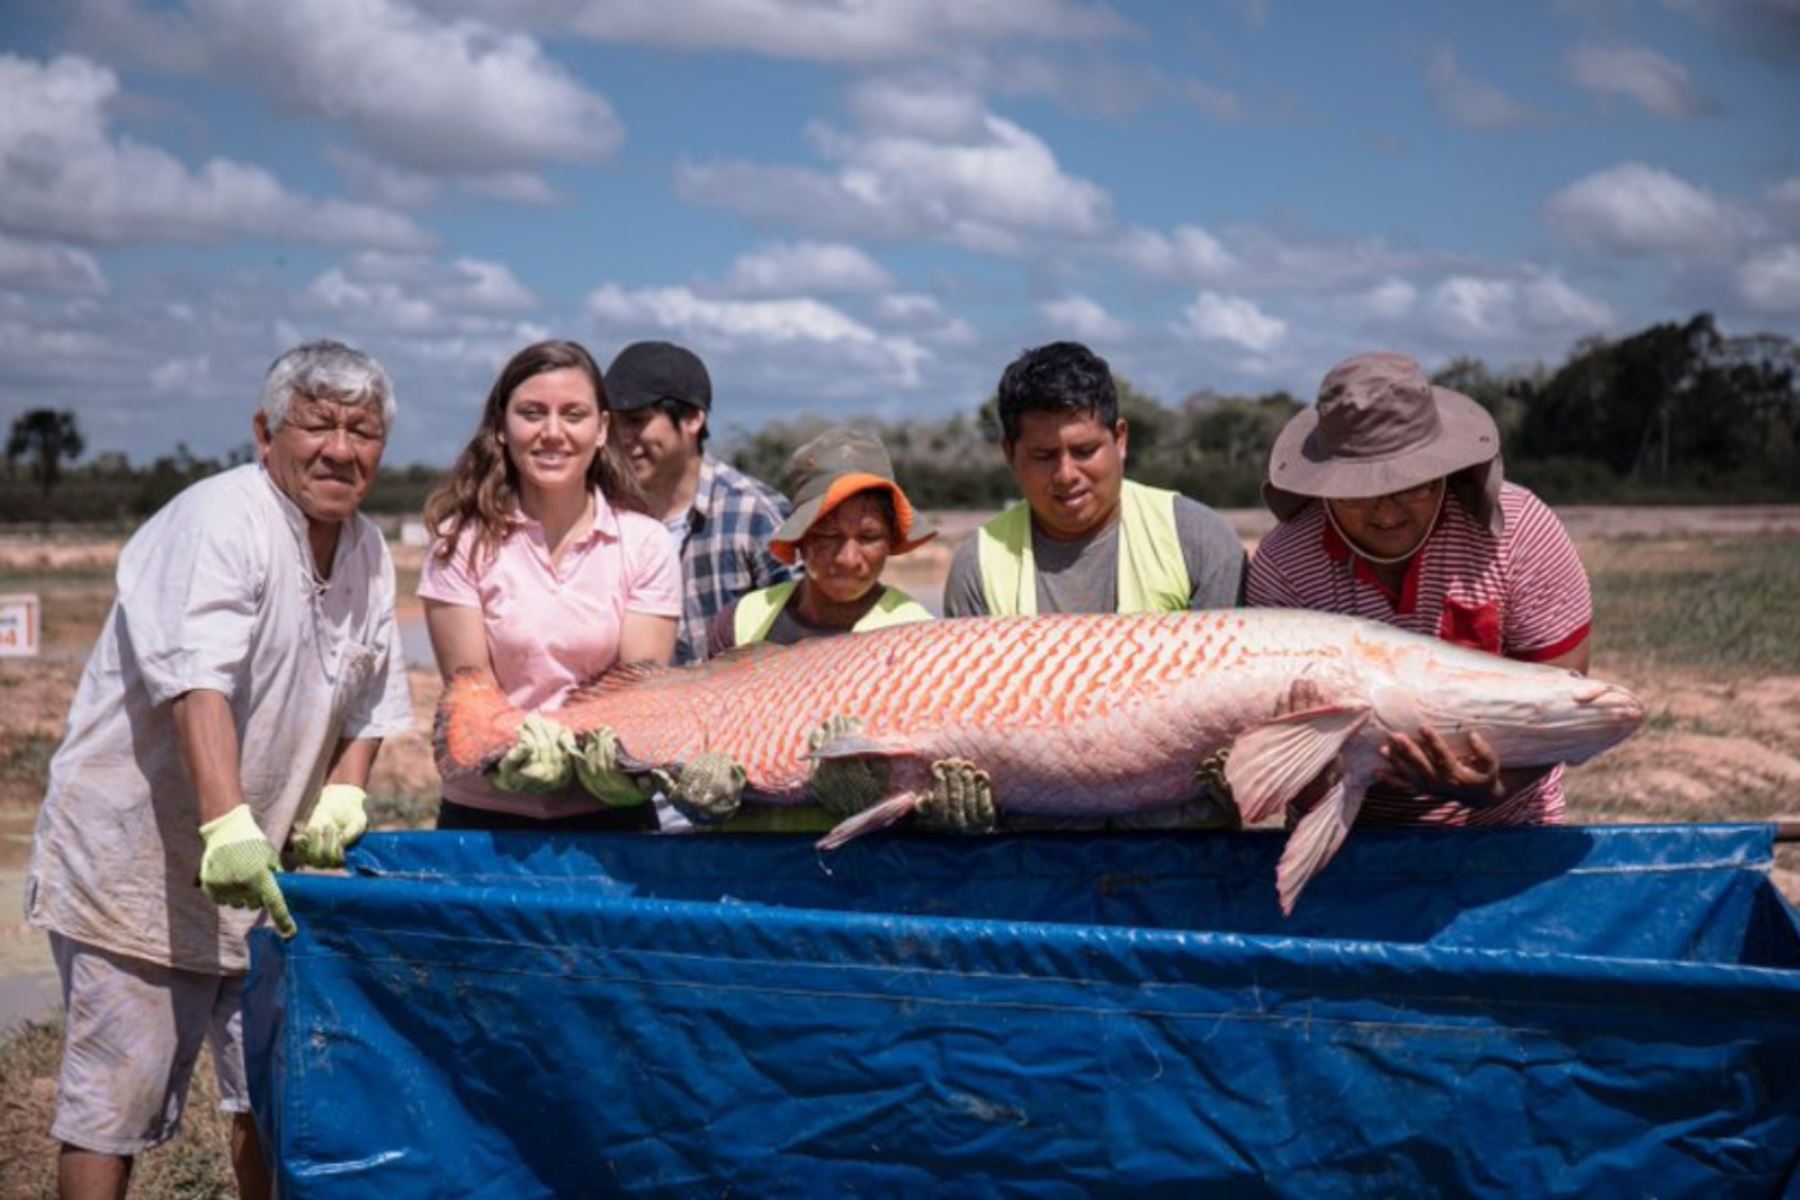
[{"x": 1619, "y": 705}]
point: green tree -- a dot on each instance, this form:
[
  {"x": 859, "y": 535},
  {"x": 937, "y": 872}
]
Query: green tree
[{"x": 47, "y": 436}]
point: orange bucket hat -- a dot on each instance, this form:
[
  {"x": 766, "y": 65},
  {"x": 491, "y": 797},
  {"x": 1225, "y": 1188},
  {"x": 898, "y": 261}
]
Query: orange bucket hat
[{"x": 830, "y": 469}]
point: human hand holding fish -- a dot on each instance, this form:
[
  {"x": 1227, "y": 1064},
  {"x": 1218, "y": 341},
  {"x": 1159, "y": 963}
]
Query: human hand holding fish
[{"x": 1430, "y": 764}]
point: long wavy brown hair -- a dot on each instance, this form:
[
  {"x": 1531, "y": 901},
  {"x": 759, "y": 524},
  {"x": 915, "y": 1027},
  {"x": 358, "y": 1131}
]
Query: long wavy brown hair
[{"x": 482, "y": 489}]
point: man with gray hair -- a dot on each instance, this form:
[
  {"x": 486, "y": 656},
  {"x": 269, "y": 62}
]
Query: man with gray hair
[{"x": 238, "y": 693}]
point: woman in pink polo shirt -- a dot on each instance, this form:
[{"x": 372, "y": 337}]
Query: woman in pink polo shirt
[
  {"x": 1392, "y": 507},
  {"x": 546, "y": 571}
]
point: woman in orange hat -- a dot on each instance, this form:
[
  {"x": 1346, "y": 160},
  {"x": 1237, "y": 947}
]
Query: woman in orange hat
[{"x": 849, "y": 517}]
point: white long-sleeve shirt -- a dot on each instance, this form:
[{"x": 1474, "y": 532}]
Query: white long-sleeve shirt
[{"x": 218, "y": 590}]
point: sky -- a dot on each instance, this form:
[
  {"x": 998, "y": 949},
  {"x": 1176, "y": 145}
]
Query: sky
[{"x": 866, "y": 208}]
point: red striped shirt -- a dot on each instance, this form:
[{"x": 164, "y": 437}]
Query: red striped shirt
[{"x": 1523, "y": 594}]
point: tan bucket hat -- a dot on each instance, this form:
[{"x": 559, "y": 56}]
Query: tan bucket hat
[
  {"x": 830, "y": 469},
  {"x": 1381, "y": 426}
]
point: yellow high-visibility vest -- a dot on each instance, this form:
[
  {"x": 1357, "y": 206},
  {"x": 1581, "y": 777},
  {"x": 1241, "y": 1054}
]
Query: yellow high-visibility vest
[
  {"x": 1153, "y": 574},
  {"x": 756, "y": 611}
]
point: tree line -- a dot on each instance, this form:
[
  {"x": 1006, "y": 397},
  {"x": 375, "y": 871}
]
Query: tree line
[{"x": 1676, "y": 413}]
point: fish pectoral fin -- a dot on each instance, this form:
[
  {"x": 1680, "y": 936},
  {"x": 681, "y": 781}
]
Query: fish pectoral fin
[
  {"x": 1315, "y": 839},
  {"x": 1271, "y": 763},
  {"x": 876, "y": 816}
]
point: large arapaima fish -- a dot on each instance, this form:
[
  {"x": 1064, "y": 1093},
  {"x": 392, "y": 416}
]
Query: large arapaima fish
[{"x": 1078, "y": 716}]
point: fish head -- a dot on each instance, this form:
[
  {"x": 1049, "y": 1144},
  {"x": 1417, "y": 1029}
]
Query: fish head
[{"x": 1531, "y": 714}]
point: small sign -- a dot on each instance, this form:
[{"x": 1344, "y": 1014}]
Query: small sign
[{"x": 18, "y": 626}]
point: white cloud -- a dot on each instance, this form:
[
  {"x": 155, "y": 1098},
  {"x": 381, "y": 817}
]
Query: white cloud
[
  {"x": 1768, "y": 29},
  {"x": 382, "y": 182},
  {"x": 1770, "y": 282},
  {"x": 442, "y": 96},
  {"x": 767, "y": 326},
  {"x": 1637, "y": 209},
  {"x": 1643, "y": 75},
  {"x": 49, "y": 267},
  {"x": 64, "y": 175},
  {"x": 1470, "y": 102},
  {"x": 1083, "y": 317},
  {"x": 415, "y": 294},
  {"x": 181, "y": 374},
  {"x": 1548, "y": 303},
  {"x": 1784, "y": 198},
  {"x": 1256, "y": 258},
  {"x": 987, "y": 193},
  {"x": 1490, "y": 309},
  {"x": 1389, "y": 300},
  {"x": 1189, "y": 253},
  {"x": 935, "y": 110},
  {"x": 1234, "y": 319},
  {"x": 869, "y": 31},
  {"x": 785, "y": 268},
  {"x": 908, "y": 306},
  {"x": 1217, "y": 103}
]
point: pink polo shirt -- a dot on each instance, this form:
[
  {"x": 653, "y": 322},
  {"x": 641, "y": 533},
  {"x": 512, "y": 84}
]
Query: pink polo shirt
[{"x": 550, "y": 629}]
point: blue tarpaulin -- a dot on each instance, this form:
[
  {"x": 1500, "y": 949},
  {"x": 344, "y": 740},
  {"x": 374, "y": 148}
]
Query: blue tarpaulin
[{"x": 1561, "y": 1012}]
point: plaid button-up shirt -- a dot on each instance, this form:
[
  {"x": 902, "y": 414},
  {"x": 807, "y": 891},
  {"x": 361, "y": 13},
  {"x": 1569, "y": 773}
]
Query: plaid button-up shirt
[{"x": 726, "y": 550}]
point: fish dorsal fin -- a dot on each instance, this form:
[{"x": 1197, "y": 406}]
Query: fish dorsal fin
[
  {"x": 622, "y": 676},
  {"x": 1270, "y": 763}
]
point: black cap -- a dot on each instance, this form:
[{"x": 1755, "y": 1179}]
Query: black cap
[{"x": 645, "y": 372}]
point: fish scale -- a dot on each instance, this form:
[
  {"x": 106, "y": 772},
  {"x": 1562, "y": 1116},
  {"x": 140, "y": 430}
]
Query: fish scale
[
  {"x": 1007, "y": 692},
  {"x": 1079, "y": 715}
]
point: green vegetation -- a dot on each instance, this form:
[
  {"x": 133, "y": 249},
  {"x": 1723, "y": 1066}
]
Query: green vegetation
[
  {"x": 1737, "y": 609},
  {"x": 27, "y": 760},
  {"x": 1676, "y": 413},
  {"x": 195, "y": 1166}
]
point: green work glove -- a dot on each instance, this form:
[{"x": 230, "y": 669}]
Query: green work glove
[
  {"x": 238, "y": 867},
  {"x": 597, "y": 770},
  {"x": 845, "y": 786},
  {"x": 542, "y": 760},
  {"x": 1211, "y": 807},
  {"x": 708, "y": 790},
  {"x": 1211, "y": 776},
  {"x": 336, "y": 821},
  {"x": 961, "y": 800}
]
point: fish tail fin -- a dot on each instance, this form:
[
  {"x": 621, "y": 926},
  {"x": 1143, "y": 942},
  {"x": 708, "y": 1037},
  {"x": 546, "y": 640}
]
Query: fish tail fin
[
  {"x": 474, "y": 724},
  {"x": 876, "y": 816},
  {"x": 1315, "y": 839}
]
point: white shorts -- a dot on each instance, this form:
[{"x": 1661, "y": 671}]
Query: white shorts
[{"x": 131, "y": 1036}]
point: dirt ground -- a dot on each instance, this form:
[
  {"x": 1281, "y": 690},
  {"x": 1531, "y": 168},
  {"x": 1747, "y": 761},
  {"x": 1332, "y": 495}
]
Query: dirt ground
[{"x": 1719, "y": 745}]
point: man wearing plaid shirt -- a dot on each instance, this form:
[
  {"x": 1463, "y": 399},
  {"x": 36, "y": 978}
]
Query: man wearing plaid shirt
[{"x": 719, "y": 518}]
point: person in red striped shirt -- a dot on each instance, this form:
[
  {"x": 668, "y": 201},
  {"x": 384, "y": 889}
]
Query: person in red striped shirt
[{"x": 1392, "y": 506}]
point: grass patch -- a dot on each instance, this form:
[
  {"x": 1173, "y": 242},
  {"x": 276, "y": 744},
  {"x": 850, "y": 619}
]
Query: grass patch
[
  {"x": 417, "y": 810},
  {"x": 1663, "y": 721},
  {"x": 27, "y": 759},
  {"x": 51, "y": 579},
  {"x": 196, "y": 1164},
  {"x": 1741, "y": 610}
]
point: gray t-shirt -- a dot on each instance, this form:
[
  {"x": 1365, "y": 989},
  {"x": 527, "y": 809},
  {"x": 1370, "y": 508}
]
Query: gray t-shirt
[{"x": 1084, "y": 576}]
